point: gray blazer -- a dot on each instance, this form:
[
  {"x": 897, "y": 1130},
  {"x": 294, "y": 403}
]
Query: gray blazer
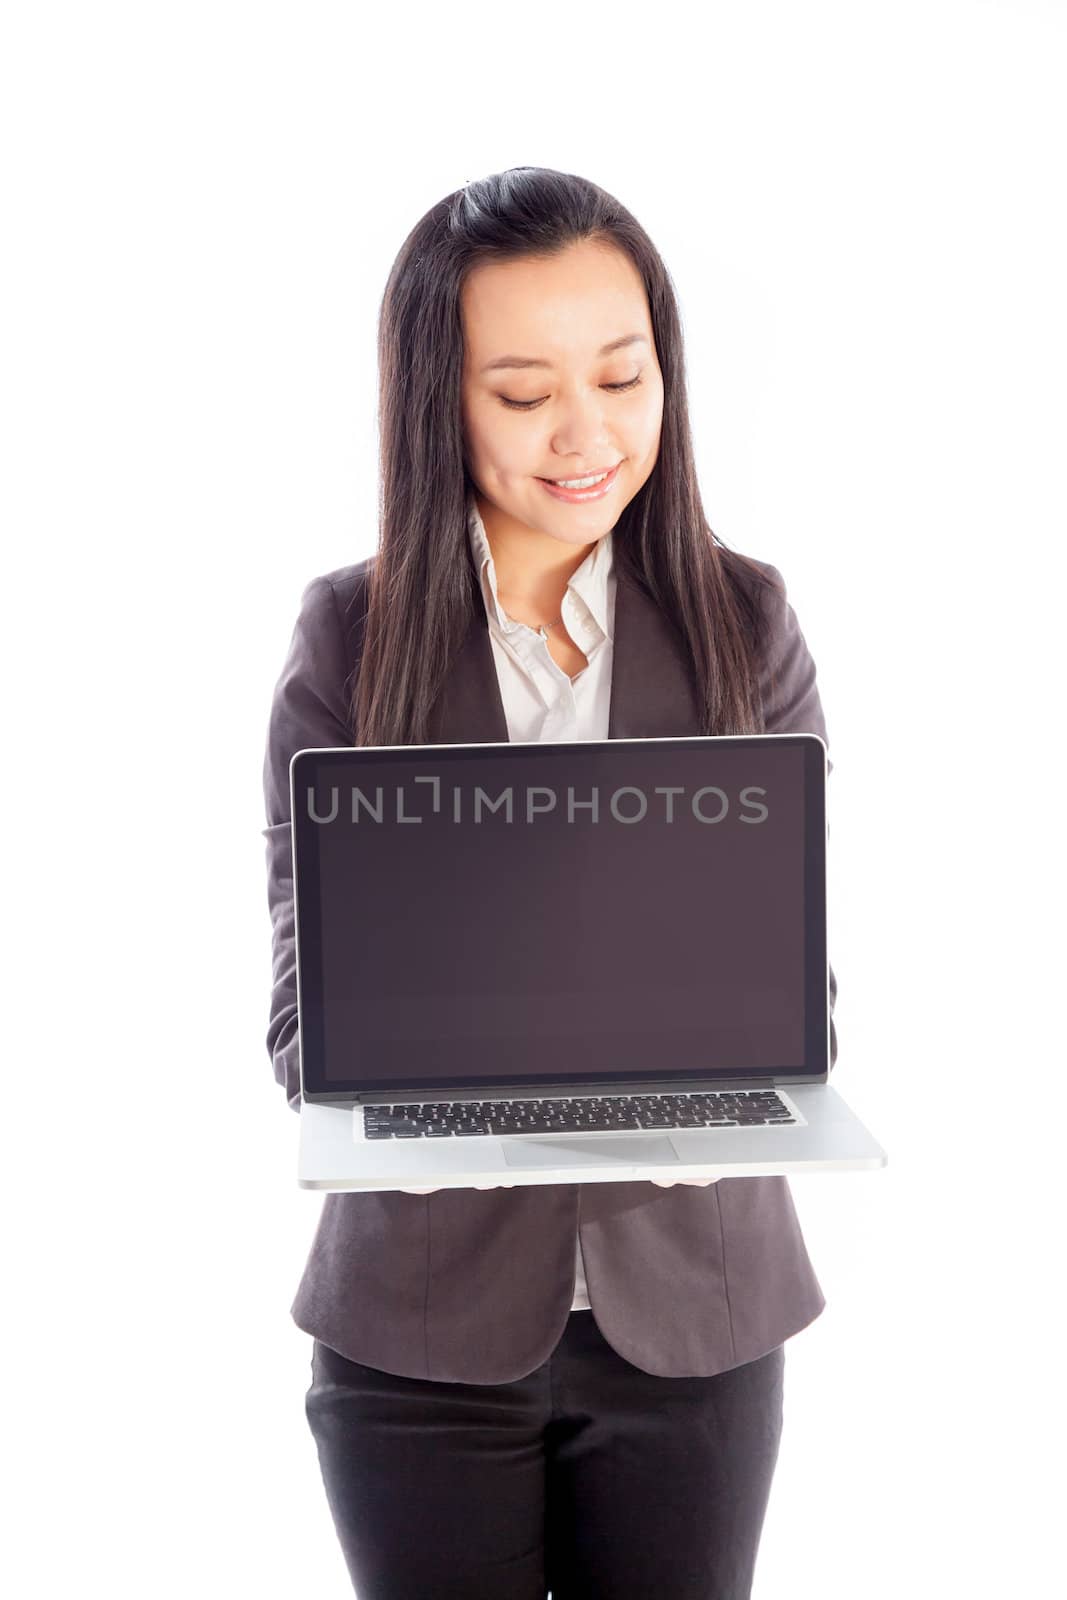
[{"x": 475, "y": 1286}]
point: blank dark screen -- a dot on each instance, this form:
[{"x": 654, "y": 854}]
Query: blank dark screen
[{"x": 466, "y": 945}]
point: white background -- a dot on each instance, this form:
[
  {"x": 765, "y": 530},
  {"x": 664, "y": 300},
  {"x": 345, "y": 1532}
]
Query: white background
[{"x": 862, "y": 208}]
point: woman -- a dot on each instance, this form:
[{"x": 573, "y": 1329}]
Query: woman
[{"x": 565, "y": 1387}]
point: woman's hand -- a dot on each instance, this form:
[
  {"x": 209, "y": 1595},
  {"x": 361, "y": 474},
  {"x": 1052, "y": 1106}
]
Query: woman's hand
[
  {"x": 693, "y": 1183},
  {"x": 474, "y": 1186},
  {"x": 661, "y": 1183}
]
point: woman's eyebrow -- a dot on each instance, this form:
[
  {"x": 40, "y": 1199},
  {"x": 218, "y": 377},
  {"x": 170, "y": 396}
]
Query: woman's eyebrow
[{"x": 529, "y": 361}]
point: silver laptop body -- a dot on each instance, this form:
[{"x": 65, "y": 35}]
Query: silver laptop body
[{"x": 571, "y": 962}]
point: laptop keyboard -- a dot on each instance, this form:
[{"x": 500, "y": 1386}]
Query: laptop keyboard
[{"x": 463, "y": 1119}]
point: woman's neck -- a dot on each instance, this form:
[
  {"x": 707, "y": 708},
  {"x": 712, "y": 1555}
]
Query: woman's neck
[{"x": 532, "y": 569}]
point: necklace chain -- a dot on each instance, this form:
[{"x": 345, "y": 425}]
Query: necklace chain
[{"x": 538, "y": 627}]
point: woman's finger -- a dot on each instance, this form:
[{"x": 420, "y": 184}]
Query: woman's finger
[{"x": 693, "y": 1183}]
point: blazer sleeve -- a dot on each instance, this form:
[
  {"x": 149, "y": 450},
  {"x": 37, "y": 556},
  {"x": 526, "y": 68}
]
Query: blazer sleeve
[
  {"x": 790, "y": 696},
  {"x": 308, "y": 711}
]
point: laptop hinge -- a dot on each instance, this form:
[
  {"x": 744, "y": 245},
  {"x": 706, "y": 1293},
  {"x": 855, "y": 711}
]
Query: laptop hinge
[{"x": 545, "y": 1091}]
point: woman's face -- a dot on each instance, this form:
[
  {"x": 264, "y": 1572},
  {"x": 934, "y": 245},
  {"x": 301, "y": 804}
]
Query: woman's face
[{"x": 587, "y": 410}]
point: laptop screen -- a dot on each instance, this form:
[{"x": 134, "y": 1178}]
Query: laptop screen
[{"x": 531, "y": 914}]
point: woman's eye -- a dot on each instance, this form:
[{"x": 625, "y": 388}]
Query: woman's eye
[{"x": 528, "y": 405}]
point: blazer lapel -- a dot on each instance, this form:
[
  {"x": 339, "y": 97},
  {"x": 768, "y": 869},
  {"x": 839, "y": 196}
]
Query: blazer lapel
[{"x": 652, "y": 692}]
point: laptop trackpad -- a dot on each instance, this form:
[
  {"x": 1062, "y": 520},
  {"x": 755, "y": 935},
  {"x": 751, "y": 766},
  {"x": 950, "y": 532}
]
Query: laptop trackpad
[{"x": 623, "y": 1150}]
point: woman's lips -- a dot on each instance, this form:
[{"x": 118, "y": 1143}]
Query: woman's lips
[{"x": 580, "y": 496}]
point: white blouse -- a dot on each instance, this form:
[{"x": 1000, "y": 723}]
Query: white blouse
[{"x": 540, "y": 701}]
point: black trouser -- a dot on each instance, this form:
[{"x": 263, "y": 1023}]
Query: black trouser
[{"x": 589, "y": 1477}]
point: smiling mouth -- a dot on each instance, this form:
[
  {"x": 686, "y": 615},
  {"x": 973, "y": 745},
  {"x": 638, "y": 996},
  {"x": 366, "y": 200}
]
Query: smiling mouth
[{"x": 596, "y": 473}]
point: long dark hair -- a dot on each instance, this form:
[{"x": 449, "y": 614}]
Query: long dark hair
[{"x": 421, "y": 586}]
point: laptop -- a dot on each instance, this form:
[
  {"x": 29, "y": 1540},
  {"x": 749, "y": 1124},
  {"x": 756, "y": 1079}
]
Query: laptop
[{"x": 578, "y": 962}]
